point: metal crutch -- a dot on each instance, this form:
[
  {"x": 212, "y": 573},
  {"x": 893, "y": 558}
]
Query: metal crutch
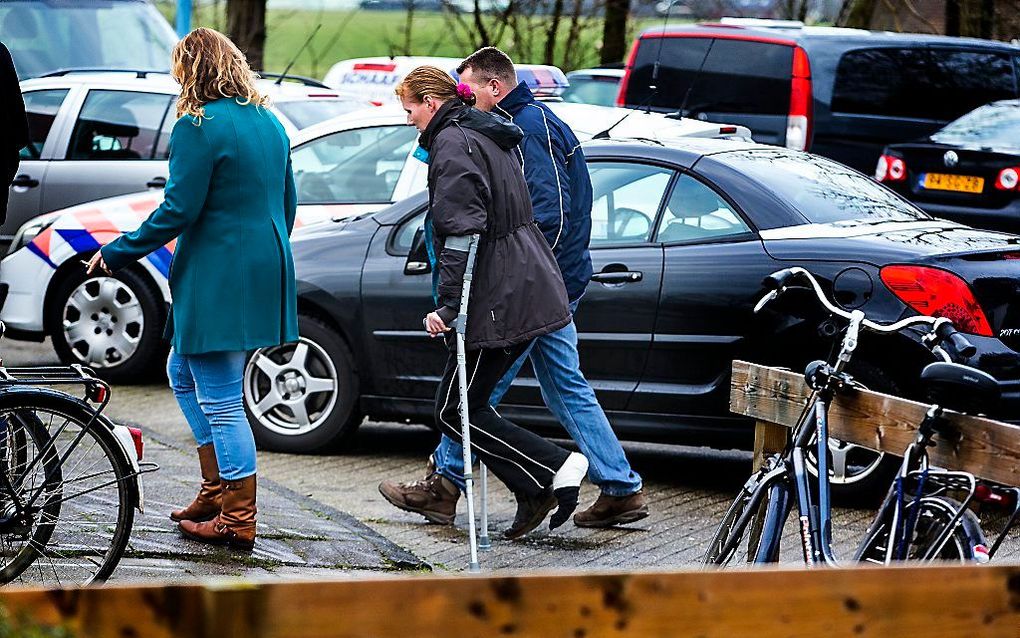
[{"x": 465, "y": 426}]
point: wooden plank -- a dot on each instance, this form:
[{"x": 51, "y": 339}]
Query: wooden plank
[
  {"x": 769, "y": 438},
  {"x": 987, "y": 448},
  {"x": 933, "y": 602}
]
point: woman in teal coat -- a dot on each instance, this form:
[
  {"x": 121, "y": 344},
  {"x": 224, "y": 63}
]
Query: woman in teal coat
[{"x": 230, "y": 203}]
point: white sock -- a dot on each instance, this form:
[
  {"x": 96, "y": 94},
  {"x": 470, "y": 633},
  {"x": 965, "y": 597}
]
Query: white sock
[{"x": 572, "y": 472}]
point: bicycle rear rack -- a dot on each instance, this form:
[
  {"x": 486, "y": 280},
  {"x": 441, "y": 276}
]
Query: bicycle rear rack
[{"x": 96, "y": 390}]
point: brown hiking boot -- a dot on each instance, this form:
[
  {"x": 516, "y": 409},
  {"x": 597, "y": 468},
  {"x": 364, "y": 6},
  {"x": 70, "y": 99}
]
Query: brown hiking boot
[
  {"x": 434, "y": 497},
  {"x": 607, "y": 511},
  {"x": 207, "y": 504},
  {"x": 235, "y": 525}
]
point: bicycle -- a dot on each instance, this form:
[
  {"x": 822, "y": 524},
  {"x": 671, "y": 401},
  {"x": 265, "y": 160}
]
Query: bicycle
[
  {"x": 931, "y": 525},
  {"x": 69, "y": 481}
]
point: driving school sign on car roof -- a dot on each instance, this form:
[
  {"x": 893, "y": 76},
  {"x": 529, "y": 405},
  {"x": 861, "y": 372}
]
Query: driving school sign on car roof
[{"x": 374, "y": 79}]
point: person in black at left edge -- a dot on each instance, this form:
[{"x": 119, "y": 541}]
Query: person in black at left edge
[{"x": 14, "y": 130}]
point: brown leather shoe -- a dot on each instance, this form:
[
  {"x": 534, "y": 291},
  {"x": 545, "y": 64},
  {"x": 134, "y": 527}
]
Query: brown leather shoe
[
  {"x": 235, "y": 524},
  {"x": 607, "y": 511},
  {"x": 434, "y": 497},
  {"x": 207, "y": 504}
]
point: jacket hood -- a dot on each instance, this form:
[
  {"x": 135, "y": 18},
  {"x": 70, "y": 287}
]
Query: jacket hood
[
  {"x": 515, "y": 100},
  {"x": 504, "y": 133}
]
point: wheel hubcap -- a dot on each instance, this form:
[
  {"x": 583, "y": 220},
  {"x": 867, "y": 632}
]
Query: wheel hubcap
[
  {"x": 103, "y": 322},
  {"x": 291, "y": 389}
]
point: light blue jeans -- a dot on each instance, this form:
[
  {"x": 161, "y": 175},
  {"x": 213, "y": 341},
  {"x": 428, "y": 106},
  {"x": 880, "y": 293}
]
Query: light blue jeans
[
  {"x": 208, "y": 389},
  {"x": 572, "y": 401}
]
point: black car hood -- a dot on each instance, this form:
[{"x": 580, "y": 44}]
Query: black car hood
[{"x": 880, "y": 243}]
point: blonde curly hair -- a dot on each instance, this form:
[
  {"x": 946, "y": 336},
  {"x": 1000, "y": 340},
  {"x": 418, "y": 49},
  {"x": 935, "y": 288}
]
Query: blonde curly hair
[{"x": 208, "y": 66}]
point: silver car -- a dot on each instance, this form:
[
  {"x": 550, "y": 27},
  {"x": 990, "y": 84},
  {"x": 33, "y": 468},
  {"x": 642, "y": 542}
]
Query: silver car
[{"x": 97, "y": 135}]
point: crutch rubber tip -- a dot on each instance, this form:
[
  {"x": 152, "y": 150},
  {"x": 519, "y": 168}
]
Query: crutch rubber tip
[{"x": 566, "y": 497}]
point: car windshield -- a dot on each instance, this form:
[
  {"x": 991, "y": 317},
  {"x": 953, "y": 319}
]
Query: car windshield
[
  {"x": 821, "y": 190},
  {"x": 44, "y": 37},
  {"x": 304, "y": 113},
  {"x": 599, "y": 90},
  {"x": 995, "y": 126}
]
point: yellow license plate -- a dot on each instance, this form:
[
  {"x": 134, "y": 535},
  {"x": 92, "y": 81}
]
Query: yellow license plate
[{"x": 958, "y": 183}]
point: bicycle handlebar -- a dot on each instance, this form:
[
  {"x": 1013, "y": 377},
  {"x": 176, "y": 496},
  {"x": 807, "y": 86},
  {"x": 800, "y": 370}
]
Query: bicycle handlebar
[{"x": 942, "y": 329}]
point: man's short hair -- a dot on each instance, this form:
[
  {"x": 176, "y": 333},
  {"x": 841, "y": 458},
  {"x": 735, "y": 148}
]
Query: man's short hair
[{"x": 491, "y": 64}]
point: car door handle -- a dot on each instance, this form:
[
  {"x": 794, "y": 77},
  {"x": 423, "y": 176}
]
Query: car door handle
[
  {"x": 624, "y": 277},
  {"x": 416, "y": 267},
  {"x": 156, "y": 182},
  {"x": 24, "y": 181}
]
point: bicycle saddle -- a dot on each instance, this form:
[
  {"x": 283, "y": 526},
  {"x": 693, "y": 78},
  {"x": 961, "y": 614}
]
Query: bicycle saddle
[{"x": 959, "y": 387}]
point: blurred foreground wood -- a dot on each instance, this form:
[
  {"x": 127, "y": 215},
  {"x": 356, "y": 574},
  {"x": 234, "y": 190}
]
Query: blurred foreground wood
[
  {"x": 928, "y": 602},
  {"x": 775, "y": 398}
]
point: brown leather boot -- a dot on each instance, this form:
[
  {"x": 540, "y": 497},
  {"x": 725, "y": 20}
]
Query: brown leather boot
[
  {"x": 434, "y": 497},
  {"x": 607, "y": 510},
  {"x": 235, "y": 524},
  {"x": 207, "y": 504}
]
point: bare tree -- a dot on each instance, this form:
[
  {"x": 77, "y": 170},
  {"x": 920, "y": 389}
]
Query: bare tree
[
  {"x": 614, "y": 31},
  {"x": 246, "y": 25},
  {"x": 553, "y": 33}
]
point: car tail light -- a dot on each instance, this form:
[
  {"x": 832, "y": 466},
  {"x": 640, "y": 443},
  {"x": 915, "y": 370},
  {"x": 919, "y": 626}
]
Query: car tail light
[
  {"x": 937, "y": 293},
  {"x": 1008, "y": 179},
  {"x": 621, "y": 96},
  {"x": 798, "y": 122},
  {"x": 891, "y": 169},
  {"x": 136, "y": 436}
]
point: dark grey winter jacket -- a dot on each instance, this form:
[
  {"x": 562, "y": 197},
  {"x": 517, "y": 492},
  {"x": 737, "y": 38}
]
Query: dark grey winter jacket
[{"x": 476, "y": 185}]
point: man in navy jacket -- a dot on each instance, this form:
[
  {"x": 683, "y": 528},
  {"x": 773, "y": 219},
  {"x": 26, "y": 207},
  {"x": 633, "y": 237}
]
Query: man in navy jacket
[{"x": 561, "y": 196}]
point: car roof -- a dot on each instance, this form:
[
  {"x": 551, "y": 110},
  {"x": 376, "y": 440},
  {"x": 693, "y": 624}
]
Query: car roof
[
  {"x": 606, "y": 73},
  {"x": 159, "y": 82},
  {"x": 808, "y": 34}
]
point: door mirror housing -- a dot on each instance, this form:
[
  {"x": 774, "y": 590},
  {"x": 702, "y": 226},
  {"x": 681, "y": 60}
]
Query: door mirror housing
[{"x": 418, "y": 258}]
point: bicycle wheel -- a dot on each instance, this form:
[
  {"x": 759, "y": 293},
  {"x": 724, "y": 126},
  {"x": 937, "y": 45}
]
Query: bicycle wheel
[
  {"x": 73, "y": 483},
  {"x": 752, "y": 527},
  {"x": 934, "y": 514}
]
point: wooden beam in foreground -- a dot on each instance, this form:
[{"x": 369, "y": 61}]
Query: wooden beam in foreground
[
  {"x": 928, "y": 602},
  {"x": 986, "y": 448}
]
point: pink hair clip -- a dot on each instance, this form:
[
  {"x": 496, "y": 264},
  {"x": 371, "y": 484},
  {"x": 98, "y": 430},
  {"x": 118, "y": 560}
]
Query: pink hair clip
[{"x": 464, "y": 91}]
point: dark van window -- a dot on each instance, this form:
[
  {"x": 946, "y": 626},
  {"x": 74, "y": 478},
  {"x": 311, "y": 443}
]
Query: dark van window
[
  {"x": 923, "y": 83},
  {"x": 739, "y": 76}
]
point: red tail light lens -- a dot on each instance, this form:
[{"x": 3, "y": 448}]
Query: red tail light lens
[
  {"x": 1008, "y": 179},
  {"x": 798, "y": 123},
  {"x": 891, "y": 169},
  {"x": 937, "y": 293}
]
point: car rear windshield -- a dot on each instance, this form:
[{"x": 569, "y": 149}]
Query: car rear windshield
[
  {"x": 47, "y": 36},
  {"x": 304, "y": 113},
  {"x": 923, "y": 83},
  {"x": 996, "y": 127},
  {"x": 738, "y": 76},
  {"x": 821, "y": 190},
  {"x": 592, "y": 89}
]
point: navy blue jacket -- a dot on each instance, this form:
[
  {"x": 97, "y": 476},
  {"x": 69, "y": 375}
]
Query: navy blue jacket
[{"x": 559, "y": 184}]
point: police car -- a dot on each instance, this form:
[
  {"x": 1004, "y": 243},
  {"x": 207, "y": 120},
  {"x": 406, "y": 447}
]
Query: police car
[{"x": 350, "y": 165}]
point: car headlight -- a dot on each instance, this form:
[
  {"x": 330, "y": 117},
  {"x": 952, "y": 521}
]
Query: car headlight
[{"x": 29, "y": 231}]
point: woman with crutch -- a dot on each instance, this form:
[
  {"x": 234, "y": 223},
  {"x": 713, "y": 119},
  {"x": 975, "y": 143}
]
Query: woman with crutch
[
  {"x": 230, "y": 203},
  {"x": 476, "y": 188}
]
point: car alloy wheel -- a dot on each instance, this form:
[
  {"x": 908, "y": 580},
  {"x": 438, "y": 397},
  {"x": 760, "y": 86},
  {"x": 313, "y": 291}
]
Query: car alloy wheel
[
  {"x": 291, "y": 389},
  {"x": 103, "y": 322}
]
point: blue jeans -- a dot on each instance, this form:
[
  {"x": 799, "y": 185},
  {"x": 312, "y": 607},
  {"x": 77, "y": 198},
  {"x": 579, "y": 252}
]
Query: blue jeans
[
  {"x": 572, "y": 401},
  {"x": 208, "y": 389}
]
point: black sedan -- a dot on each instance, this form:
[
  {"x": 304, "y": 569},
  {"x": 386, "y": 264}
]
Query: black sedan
[
  {"x": 968, "y": 171},
  {"x": 681, "y": 241}
]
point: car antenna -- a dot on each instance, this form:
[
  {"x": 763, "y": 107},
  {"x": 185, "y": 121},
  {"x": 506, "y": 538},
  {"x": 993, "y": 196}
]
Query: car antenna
[
  {"x": 694, "y": 80},
  {"x": 279, "y": 80},
  {"x": 604, "y": 135}
]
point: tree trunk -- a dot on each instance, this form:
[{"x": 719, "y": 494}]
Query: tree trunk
[
  {"x": 857, "y": 13},
  {"x": 614, "y": 31},
  {"x": 550, "y": 36},
  {"x": 952, "y": 17},
  {"x": 246, "y": 26}
]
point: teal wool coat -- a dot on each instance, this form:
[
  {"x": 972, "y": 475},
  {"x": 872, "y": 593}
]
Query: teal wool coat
[{"x": 230, "y": 202}]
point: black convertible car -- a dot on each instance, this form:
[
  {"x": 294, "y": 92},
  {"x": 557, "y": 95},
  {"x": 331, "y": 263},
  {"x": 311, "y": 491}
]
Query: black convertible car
[{"x": 681, "y": 241}]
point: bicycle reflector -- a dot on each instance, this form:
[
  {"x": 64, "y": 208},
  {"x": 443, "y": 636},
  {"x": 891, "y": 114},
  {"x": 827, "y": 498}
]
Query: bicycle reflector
[
  {"x": 937, "y": 293},
  {"x": 97, "y": 393},
  {"x": 136, "y": 436}
]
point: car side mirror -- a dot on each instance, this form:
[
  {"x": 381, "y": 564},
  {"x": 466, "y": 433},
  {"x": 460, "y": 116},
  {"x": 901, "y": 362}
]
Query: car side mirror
[{"x": 418, "y": 258}]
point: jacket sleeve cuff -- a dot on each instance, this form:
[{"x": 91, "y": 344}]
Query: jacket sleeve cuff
[
  {"x": 447, "y": 314},
  {"x": 115, "y": 259}
]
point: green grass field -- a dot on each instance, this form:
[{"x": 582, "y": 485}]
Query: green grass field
[{"x": 360, "y": 33}]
